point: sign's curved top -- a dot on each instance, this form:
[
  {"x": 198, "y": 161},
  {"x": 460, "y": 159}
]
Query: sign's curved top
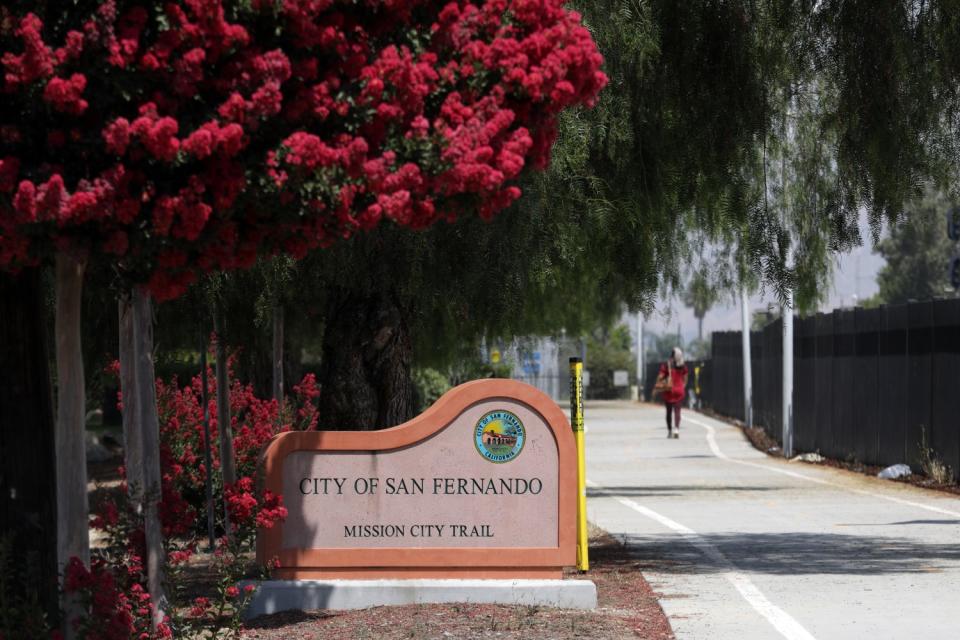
[
  {"x": 481, "y": 484},
  {"x": 436, "y": 418}
]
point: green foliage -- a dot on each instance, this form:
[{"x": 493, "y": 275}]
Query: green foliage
[
  {"x": 518, "y": 274},
  {"x": 761, "y": 319},
  {"x": 700, "y": 295},
  {"x": 429, "y": 385},
  {"x": 473, "y": 367},
  {"x": 21, "y": 614},
  {"x": 608, "y": 349},
  {"x": 247, "y": 299},
  {"x": 762, "y": 128},
  {"x": 659, "y": 346},
  {"x": 698, "y": 349},
  {"x": 917, "y": 252},
  {"x": 872, "y": 302}
]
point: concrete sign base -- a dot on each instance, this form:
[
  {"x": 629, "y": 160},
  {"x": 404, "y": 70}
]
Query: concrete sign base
[{"x": 274, "y": 596}]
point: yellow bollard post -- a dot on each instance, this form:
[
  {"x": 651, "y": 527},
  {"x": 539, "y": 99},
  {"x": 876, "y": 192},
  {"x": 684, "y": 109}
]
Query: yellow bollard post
[{"x": 576, "y": 422}]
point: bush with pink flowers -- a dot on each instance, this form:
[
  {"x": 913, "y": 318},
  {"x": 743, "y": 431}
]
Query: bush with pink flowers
[{"x": 183, "y": 506}]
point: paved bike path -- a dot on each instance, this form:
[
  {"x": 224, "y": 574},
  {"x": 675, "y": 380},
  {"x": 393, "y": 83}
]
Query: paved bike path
[{"x": 743, "y": 546}]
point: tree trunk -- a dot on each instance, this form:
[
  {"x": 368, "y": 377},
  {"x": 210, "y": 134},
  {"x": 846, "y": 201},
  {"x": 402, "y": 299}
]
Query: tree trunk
[
  {"x": 365, "y": 376},
  {"x": 278, "y": 353},
  {"x": 224, "y": 428},
  {"x": 28, "y": 495},
  {"x": 73, "y": 536},
  {"x": 132, "y": 432},
  {"x": 207, "y": 452},
  {"x": 146, "y": 391},
  {"x": 141, "y": 433}
]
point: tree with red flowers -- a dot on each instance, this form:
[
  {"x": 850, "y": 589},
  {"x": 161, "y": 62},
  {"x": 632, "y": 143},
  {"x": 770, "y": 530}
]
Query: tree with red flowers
[{"x": 179, "y": 138}]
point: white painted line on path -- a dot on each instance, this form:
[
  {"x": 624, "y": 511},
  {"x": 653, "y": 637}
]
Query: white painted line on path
[
  {"x": 785, "y": 624},
  {"x": 712, "y": 443}
]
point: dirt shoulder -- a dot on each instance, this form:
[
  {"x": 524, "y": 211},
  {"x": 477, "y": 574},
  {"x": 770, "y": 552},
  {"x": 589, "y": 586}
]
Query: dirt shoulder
[
  {"x": 761, "y": 441},
  {"x": 628, "y": 608}
]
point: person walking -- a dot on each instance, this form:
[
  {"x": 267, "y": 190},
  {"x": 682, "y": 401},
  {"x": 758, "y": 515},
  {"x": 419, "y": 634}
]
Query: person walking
[{"x": 672, "y": 382}]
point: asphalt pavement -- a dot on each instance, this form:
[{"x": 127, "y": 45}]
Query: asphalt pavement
[{"x": 744, "y": 546}]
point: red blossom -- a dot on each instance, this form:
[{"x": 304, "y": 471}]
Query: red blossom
[
  {"x": 182, "y": 451},
  {"x": 190, "y": 114},
  {"x": 116, "y": 135},
  {"x": 112, "y": 612},
  {"x": 65, "y": 94},
  {"x": 200, "y": 606}
]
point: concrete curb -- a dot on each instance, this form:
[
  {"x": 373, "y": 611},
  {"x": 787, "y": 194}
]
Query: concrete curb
[{"x": 273, "y": 596}]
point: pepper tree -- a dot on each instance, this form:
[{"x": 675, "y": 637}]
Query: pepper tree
[{"x": 191, "y": 136}]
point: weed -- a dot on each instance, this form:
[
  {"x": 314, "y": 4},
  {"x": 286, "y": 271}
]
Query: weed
[{"x": 930, "y": 462}]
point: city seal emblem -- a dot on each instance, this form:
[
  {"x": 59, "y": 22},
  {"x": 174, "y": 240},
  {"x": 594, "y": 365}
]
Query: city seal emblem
[{"x": 499, "y": 436}]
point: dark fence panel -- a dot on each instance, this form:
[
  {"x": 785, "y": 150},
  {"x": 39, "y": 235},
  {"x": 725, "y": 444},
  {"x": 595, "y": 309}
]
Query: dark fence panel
[
  {"x": 706, "y": 382},
  {"x": 767, "y": 392},
  {"x": 804, "y": 361},
  {"x": 734, "y": 374},
  {"x": 893, "y": 384},
  {"x": 843, "y": 420},
  {"x": 944, "y": 380},
  {"x": 824, "y": 383},
  {"x": 866, "y": 371},
  {"x": 869, "y": 384},
  {"x": 650, "y": 378},
  {"x": 919, "y": 346}
]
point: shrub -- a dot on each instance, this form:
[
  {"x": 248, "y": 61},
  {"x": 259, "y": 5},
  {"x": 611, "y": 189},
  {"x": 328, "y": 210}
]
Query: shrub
[
  {"x": 117, "y": 569},
  {"x": 429, "y": 385},
  {"x": 931, "y": 464}
]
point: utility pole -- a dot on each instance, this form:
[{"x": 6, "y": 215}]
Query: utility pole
[
  {"x": 747, "y": 370},
  {"x": 787, "y": 316},
  {"x": 786, "y": 309}
]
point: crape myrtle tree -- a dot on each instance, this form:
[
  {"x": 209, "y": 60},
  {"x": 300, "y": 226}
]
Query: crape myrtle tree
[{"x": 178, "y": 138}]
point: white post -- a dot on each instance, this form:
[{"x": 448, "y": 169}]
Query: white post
[
  {"x": 640, "y": 370},
  {"x": 73, "y": 537},
  {"x": 787, "y": 316},
  {"x": 747, "y": 367}
]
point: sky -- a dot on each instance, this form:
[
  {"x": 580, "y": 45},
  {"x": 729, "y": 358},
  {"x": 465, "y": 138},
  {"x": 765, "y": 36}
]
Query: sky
[{"x": 854, "y": 278}]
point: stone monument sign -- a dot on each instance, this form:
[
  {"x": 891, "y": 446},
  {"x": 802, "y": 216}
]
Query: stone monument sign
[{"x": 481, "y": 485}]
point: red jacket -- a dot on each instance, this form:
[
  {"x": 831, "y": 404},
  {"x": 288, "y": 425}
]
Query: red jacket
[{"x": 678, "y": 383}]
